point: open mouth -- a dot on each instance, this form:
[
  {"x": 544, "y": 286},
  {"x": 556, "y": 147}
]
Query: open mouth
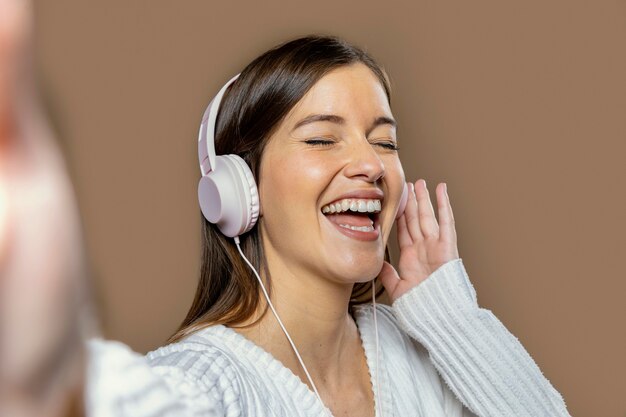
[{"x": 356, "y": 218}]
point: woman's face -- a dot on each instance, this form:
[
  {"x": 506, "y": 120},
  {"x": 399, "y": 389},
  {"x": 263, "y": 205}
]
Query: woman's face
[{"x": 331, "y": 180}]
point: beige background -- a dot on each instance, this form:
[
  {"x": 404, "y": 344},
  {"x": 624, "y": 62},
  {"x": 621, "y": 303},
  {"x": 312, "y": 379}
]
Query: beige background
[{"x": 520, "y": 107}]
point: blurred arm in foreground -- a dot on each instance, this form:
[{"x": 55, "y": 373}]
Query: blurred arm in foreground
[
  {"x": 45, "y": 313},
  {"x": 47, "y": 367}
]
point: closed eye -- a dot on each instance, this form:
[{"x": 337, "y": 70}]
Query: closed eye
[
  {"x": 327, "y": 142},
  {"x": 319, "y": 142},
  {"x": 388, "y": 145}
]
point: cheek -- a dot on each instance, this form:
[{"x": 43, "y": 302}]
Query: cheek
[
  {"x": 395, "y": 185},
  {"x": 395, "y": 171},
  {"x": 290, "y": 186}
]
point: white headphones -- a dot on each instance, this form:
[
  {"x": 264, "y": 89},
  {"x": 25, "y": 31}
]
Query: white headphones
[
  {"x": 227, "y": 191},
  {"x": 229, "y": 198}
]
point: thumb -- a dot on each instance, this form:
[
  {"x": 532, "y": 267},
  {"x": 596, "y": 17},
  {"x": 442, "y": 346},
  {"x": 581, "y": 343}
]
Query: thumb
[{"x": 389, "y": 277}]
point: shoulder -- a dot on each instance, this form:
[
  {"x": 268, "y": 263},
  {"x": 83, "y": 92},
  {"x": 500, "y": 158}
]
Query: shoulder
[
  {"x": 198, "y": 367},
  {"x": 199, "y": 356},
  {"x": 194, "y": 355},
  {"x": 120, "y": 383}
]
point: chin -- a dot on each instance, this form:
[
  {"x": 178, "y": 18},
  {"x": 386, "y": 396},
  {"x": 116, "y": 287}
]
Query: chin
[{"x": 359, "y": 268}]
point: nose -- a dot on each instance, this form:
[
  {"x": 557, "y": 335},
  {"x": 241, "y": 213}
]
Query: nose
[{"x": 364, "y": 162}]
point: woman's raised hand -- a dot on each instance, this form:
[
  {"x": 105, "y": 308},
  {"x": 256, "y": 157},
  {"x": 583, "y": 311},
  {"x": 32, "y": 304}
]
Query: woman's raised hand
[{"x": 425, "y": 244}]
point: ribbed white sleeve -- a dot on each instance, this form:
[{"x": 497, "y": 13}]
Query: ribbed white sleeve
[
  {"x": 485, "y": 365},
  {"x": 120, "y": 383}
]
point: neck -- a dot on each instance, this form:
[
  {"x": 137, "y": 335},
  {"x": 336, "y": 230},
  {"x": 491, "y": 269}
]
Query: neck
[{"x": 314, "y": 310}]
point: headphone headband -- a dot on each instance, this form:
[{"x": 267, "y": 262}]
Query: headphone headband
[
  {"x": 227, "y": 192},
  {"x": 206, "y": 136}
]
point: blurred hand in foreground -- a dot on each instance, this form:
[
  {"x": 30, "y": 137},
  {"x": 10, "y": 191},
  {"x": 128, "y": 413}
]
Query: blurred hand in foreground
[{"x": 44, "y": 309}]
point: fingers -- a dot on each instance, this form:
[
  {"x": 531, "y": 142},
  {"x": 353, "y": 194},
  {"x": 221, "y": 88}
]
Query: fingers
[
  {"x": 446, "y": 217},
  {"x": 426, "y": 212},
  {"x": 15, "y": 63},
  {"x": 419, "y": 221},
  {"x": 411, "y": 216},
  {"x": 404, "y": 237}
]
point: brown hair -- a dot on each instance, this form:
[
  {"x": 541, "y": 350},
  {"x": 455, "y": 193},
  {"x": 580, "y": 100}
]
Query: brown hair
[{"x": 251, "y": 109}]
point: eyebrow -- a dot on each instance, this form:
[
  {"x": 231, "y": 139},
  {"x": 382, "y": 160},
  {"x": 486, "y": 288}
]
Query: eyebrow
[{"x": 333, "y": 118}]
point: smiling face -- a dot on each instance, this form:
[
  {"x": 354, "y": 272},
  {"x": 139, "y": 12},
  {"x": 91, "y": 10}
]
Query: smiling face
[{"x": 330, "y": 179}]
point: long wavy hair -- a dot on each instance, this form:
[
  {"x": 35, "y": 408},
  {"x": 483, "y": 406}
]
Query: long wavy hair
[{"x": 251, "y": 109}]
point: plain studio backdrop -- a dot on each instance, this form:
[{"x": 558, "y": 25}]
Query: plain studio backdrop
[{"x": 520, "y": 107}]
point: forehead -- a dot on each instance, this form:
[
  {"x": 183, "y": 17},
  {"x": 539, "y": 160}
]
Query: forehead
[{"x": 352, "y": 91}]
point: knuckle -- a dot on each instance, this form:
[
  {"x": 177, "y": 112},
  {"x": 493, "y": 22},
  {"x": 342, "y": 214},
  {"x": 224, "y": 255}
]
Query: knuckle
[{"x": 431, "y": 235}]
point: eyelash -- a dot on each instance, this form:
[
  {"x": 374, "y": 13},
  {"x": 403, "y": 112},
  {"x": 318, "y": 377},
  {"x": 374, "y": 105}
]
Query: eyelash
[{"x": 322, "y": 142}]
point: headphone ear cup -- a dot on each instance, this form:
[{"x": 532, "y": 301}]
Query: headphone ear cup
[
  {"x": 403, "y": 201},
  {"x": 250, "y": 191},
  {"x": 228, "y": 196}
]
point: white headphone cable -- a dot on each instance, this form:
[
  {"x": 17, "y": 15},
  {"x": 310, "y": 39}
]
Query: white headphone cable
[
  {"x": 377, "y": 399},
  {"x": 279, "y": 321}
]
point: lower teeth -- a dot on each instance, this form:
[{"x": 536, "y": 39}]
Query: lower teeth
[{"x": 359, "y": 228}]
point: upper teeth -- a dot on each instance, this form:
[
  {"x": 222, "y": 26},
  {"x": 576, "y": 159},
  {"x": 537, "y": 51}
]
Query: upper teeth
[{"x": 360, "y": 205}]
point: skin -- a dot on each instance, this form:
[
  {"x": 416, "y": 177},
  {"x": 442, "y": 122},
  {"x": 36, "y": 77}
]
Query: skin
[
  {"x": 307, "y": 255},
  {"x": 43, "y": 308}
]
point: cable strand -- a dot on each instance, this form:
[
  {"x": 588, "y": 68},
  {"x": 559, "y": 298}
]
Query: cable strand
[
  {"x": 377, "y": 399},
  {"x": 281, "y": 323}
]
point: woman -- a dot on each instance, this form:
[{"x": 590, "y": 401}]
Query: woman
[
  {"x": 216, "y": 366},
  {"x": 312, "y": 120}
]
